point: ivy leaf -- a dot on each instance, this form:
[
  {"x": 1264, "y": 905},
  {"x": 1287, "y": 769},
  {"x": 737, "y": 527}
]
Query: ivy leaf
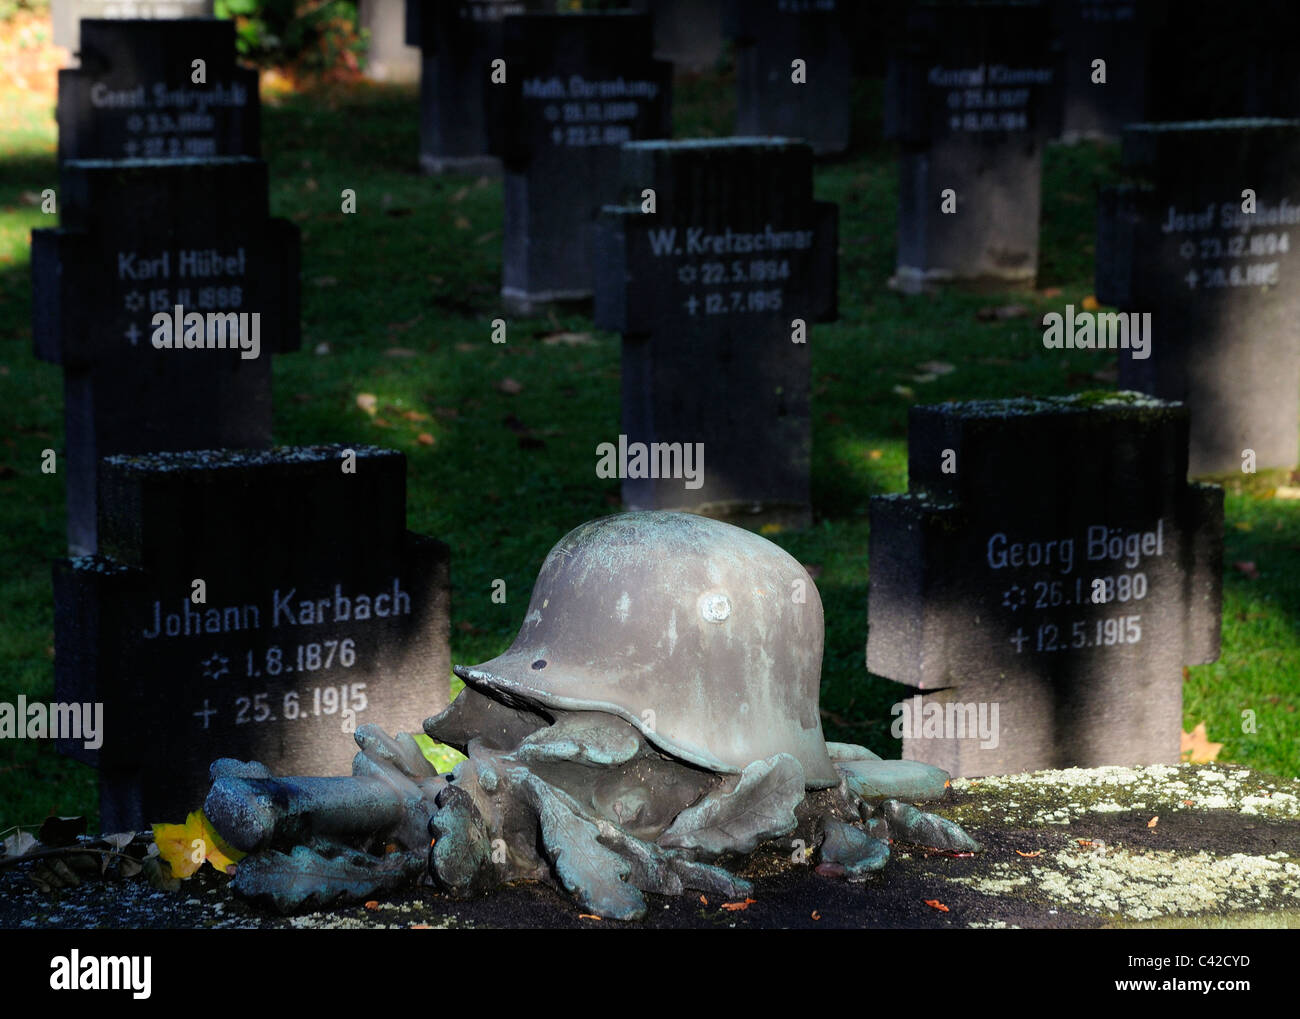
[{"x": 186, "y": 846}]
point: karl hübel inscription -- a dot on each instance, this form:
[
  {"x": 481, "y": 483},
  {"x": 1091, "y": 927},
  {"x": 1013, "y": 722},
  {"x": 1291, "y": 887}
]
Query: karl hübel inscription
[
  {"x": 217, "y": 325},
  {"x": 1047, "y": 591}
]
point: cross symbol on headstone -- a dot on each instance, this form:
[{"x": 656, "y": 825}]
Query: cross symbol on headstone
[
  {"x": 132, "y": 334},
  {"x": 692, "y": 303},
  {"x": 205, "y": 713}
]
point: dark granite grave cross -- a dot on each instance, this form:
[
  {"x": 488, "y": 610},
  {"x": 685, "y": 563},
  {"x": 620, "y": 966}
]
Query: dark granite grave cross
[
  {"x": 971, "y": 98},
  {"x": 1118, "y": 32},
  {"x": 321, "y": 613},
  {"x": 133, "y": 96},
  {"x": 769, "y": 35},
  {"x": 1221, "y": 285},
  {"x": 578, "y": 86},
  {"x": 458, "y": 41},
  {"x": 1043, "y": 583},
  {"x": 706, "y": 291},
  {"x": 138, "y": 239},
  {"x": 67, "y": 15}
]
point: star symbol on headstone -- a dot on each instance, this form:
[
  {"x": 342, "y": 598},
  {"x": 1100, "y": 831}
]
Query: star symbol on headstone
[
  {"x": 215, "y": 666},
  {"x": 132, "y": 334},
  {"x": 132, "y": 147},
  {"x": 134, "y": 122},
  {"x": 134, "y": 301},
  {"x": 687, "y": 273},
  {"x": 1013, "y": 597},
  {"x": 1187, "y": 249},
  {"x": 552, "y": 112}
]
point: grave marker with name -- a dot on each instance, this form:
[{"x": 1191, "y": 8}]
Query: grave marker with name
[
  {"x": 1118, "y": 32},
  {"x": 1222, "y": 285},
  {"x": 971, "y": 98},
  {"x": 1047, "y": 578},
  {"x": 706, "y": 291},
  {"x": 322, "y": 613},
  {"x": 458, "y": 40},
  {"x": 140, "y": 239},
  {"x": 579, "y": 86},
  {"x": 769, "y": 35},
  {"x": 67, "y": 15},
  {"x": 133, "y": 98}
]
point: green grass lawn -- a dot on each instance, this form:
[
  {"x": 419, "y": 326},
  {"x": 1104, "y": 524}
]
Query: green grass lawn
[{"x": 397, "y": 302}]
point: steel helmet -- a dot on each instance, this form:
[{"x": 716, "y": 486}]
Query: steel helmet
[{"x": 706, "y": 637}]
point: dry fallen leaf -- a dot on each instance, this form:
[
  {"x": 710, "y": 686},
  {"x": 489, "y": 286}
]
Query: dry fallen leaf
[
  {"x": 368, "y": 402},
  {"x": 1154, "y": 821},
  {"x": 462, "y": 223},
  {"x": 1051, "y": 292},
  {"x": 588, "y": 916},
  {"x": 875, "y": 454},
  {"x": 816, "y": 915},
  {"x": 415, "y": 415},
  {"x": 735, "y": 906},
  {"x": 400, "y": 352},
  {"x": 372, "y": 905},
  {"x": 935, "y": 367},
  {"x": 1036, "y": 852},
  {"x": 1197, "y": 748},
  {"x": 905, "y": 391},
  {"x": 424, "y": 439},
  {"x": 1287, "y": 492},
  {"x": 1090, "y": 303},
  {"x": 510, "y": 386},
  {"x": 326, "y": 281},
  {"x": 420, "y": 927},
  {"x": 704, "y": 900},
  {"x": 1247, "y": 569},
  {"x": 936, "y": 904}
]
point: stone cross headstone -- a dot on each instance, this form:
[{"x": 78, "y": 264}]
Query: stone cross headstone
[
  {"x": 688, "y": 33},
  {"x": 715, "y": 293},
  {"x": 1100, "y": 100},
  {"x": 1217, "y": 285},
  {"x": 770, "y": 36},
  {"x": 578, "y": 87},
  {"x": 320, "y": 612},
  {"x": 133, "y": 96},
  {"x": 458, "y": 40},
  {"x": 67, "y": 15},
  {"x": 971, "y": 99},
  {"x": 388, "y": 56},
  {"x": 163, "y": 295},
  {"x": 1044, "y": 582}
]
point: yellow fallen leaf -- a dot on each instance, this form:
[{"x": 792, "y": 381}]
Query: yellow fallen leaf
[
  {"x": 368, "y": 402},
  {"x": 588, "y": 916},
  {"x": 1197, "y": 748},
  {"x": 1090, "y": 303},
  {"x": 1286, "y": 492},
  {"x": 732, "y": 907},
  {"x": 1154, "y": 821},
  {"x": 186, "y": 846},
  {"x": 424, "y": 439}
]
